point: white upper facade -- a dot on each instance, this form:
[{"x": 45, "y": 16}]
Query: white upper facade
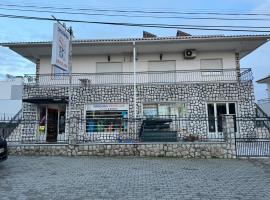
[
  {"x": 144, "y": 62},
  {"x": 152, "y": 54}
]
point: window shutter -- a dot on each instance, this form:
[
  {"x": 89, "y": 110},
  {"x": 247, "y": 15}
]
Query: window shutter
[
  {"x": 211, "y": 64},
  {"x": 109, "y": 67},
  {"x": 161, "y": 65}
]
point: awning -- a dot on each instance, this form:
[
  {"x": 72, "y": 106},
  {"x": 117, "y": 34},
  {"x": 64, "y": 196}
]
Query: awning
[{"x": 42, "y": 100}]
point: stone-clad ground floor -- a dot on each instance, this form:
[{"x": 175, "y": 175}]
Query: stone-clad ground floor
[
  {"x": 194, "y": 108},
  {"x": 133, "y": 178}
]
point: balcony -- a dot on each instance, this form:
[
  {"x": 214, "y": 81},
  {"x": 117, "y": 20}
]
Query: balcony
[{"x": 147, "y": 77}]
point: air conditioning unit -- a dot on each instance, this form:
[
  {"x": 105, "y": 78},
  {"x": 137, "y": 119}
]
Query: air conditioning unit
[{"x": 189, "y": 53}]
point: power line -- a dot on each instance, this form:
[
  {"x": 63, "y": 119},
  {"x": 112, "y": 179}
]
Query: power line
[
  {"x": 137, "y": 16},
  {"x": 131, "y": 24},
  {"x": 182, "y": 25},
  {"x": 136, "y": 11}
]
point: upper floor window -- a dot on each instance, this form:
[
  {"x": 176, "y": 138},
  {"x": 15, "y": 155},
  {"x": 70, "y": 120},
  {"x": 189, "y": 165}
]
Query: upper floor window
[
  {"x": 167, "y": 65},
  {"x": 104, "y": 67},
  {"x": 212, "y": 64},
  {"x": 112, "y": 68},
  {"x": 162, "y": 71}
]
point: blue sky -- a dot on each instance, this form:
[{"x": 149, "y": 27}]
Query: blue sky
[{"x": 29, "y": 30}]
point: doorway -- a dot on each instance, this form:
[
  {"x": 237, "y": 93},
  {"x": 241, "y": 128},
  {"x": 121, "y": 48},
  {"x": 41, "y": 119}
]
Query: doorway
[
  {"x": 52, "y": 124},
  {"x": 215, "y": 112}
]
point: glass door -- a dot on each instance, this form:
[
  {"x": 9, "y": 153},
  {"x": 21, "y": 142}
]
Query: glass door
[
  {"x": 221, "y": 110},
  {"x": 215, "y": 112}
]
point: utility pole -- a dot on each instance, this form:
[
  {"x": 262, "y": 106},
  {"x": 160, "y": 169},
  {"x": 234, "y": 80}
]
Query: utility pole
[
  {"x": 134, "y": 85},
  {"x": 70, "y": 76},
  {"x": 70, "y": 31}
]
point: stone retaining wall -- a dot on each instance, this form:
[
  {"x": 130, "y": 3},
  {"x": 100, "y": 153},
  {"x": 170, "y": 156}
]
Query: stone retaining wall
[{"x": 179, "y": 150}]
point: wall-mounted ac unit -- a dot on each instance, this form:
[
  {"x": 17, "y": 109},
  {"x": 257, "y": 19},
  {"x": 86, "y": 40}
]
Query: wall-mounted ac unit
[{"x": 189, "y": 53}]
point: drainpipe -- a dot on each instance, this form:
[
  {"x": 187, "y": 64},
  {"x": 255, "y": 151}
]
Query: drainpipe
[{"x": 134, "y": 83}]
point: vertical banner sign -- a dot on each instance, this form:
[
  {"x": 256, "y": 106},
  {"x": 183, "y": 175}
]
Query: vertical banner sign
[{"x": 60, "y": 47}]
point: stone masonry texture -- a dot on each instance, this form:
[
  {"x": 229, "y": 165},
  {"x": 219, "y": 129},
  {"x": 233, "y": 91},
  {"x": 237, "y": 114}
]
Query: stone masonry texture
[
  {"x": 194, "y": 95},
  {"x": 177, "y": 150}
]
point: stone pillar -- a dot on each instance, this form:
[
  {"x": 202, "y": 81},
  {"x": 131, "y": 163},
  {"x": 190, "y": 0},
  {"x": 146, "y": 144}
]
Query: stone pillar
[
  {"x": 229, "y": 134},
  {"x": 237, "y": 63},
  {"x": 73, "y": 130},
  {"x": 29, "y": 123},
  {"x": 37, "y": 69}
]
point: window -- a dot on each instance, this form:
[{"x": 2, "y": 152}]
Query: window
[
  {"x": 104, "y": 67},
  {"x": 150, "y": 110},
  {"x": 106, "y": 118},
  {"x": 112, "y": 68},
  {"x": 160, "y": 68},
  {"x": 106, "y": 121},
  {"x": 161, "y": 65},
  {"x": 164, "y": 109},
  {"x": 211, "y": 64},
  {"x": 215, "y": 112}
]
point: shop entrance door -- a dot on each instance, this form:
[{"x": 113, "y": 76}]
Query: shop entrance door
[{"x": 52, "y": 125}]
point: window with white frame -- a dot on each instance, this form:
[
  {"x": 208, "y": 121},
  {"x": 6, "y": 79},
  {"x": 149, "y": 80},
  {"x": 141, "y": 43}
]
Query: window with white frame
[
  {"x": 111, "y": 72},
  {"x": 109, "y": 67},
  {"x": 166, "y": 65},
  {"x": 211, "y": 64},
  {"x": 165, "y": 109},
  {"x": 106, "y": 118},
  {"x": 215, "y": 112},
  {"x": 162, "y": 71}
]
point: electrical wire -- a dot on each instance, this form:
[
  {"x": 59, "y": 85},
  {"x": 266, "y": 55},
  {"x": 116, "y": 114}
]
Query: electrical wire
[
  {"x": 137, "y": 16},
  {"x": 130, "y": 24},
  {"x": 136, "y": 11}
]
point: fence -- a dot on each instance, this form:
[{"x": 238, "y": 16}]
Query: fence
[
  {"x": 131, "y": 130},
  {"x": 32, "y": 131},
  {"x": 255, "y": 138},
  {"x": 148, "y": 77},
  {"x": 248, "y": 131}
]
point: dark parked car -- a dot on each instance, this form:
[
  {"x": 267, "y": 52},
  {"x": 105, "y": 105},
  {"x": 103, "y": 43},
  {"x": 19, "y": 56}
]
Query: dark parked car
[{"x": 3, "y": 149}]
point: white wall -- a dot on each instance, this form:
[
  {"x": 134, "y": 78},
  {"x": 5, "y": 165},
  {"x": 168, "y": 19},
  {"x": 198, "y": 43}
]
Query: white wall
[
  {"x": 10, "y": 101},
  {"x": 87, "y": 64}
]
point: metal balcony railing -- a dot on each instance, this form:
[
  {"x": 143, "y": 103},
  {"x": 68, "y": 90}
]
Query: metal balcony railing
[{"x": 147, "y": 77}]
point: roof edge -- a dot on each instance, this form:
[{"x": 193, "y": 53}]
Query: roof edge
[
  {"x": 263, "y": 80},
  {"x": 198, "y": 37}
]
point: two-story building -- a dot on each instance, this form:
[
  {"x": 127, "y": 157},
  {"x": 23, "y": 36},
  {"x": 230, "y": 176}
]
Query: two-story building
[{"x": 192, "y": 79}]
